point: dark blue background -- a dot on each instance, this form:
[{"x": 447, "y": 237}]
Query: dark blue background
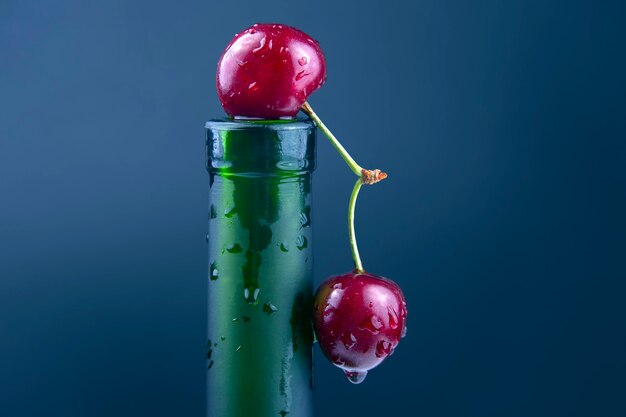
[{"x": 503, "y": 128}]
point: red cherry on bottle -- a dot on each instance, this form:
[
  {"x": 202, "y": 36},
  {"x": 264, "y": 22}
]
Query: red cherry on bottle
[
  {"x": 268, "y": 70},
  {"x": 359, "y": 319}
]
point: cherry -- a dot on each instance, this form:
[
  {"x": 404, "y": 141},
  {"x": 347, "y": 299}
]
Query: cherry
[
  {"x": 268, "y": 70},
  {"x": 359, "y": 319}
]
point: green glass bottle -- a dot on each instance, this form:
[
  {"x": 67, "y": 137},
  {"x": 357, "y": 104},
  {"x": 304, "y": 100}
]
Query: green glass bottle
[{"x": 260, "y": 268}]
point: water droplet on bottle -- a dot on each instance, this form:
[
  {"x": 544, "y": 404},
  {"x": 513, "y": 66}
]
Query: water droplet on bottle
[
  {"x": 235, "y": 320},
  {"x": 234, "y": 248},
  {"x": 212, "y": 212},
  {"x": 304, "y": 220},
  {"x": 301, "y": 75},
  {"x": 302, "y": 61},
  {"x": 213, "y": 271},
  {"x": 393, "y": 317},
  {"x": 255, "y": 295},
  {"x": 383, "y": 348},
  {"x": 284, "y": 247},
  {"x": 230, "y": 212},
  {"x": 253, "y": 86},
  {"x": 356, "y": 377},
  {"x": 269, "y": 308},
  {"x": 238, "y": 348},
  {"x": 403, "y": 331},
  {"x": 207, "y": 238},
  {"x": 301, "y": 242},
  {"x": 282, "y": 48},
  {"x": 270, "y": 44},
  {"x": 348, "y": 340}
]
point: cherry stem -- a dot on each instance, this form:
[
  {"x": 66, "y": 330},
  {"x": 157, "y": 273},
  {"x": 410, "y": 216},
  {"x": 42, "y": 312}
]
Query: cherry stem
[
  {"x": 358, "y": 266},
  {"x": 369, "y": 176}
]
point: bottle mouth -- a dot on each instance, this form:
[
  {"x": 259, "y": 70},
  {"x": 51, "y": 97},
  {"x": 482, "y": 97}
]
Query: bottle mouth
[{"x": 258, "y": 146}]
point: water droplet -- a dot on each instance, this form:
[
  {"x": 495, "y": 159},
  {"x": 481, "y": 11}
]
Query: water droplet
[
  {"x": 393, "y": 317},
  {"x": 301, "y": 242},
  {"x": 234, "y": 248},
  {"x": 403, "y": 332},
  {"x": 304, "y": 219},
  {"x": 270, "y": 44},
  {"x": 338, "y": 361},
  {"x": 328, "y": 310},
  {"x": 269, "y": 308},
  {"x": 238, "y": 348},
  {"x": 356, "y": 377},
  {"x": 230, "y": 212},
  {"x": 212, "y": 212},
  {"x": 284, "y": 247},
  {"x": 302, "y": 61},
  {"x": 373, "y": 324},
  {"x": 282, "y": 48},
  {"x": 235, "y": 320},
  {"x": 348, "y": 340},
  {"x": 376, "y": 322},
  {"x": 261, "y": 45},
  {"x": 301, "y": 75},
  {"x": 255, "y": 295},
  {"x": 207, "y": 238},
  {"x": 383, "y": 348},
  {"x": 213, "y": 271}
]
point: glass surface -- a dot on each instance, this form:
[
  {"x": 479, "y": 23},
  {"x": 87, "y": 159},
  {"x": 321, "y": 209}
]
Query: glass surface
[{"x": 260, "y": 268}]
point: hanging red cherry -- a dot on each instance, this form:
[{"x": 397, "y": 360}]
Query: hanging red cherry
[
  {"x": 359, "y": 319},
  {"x": 268, "y": 70}
]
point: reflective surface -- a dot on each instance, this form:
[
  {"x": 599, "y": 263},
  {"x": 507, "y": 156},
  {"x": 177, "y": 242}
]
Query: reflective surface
[{"x": 260, "y": 269}]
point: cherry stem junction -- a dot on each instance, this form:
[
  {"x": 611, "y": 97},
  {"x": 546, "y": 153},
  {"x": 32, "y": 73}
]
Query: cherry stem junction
[
  {"x": 353, "y": 246},
  {"x": 369, "y": 176}
]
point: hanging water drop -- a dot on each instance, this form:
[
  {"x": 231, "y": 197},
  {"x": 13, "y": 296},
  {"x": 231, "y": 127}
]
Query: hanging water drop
[{"x": 356, "y": 377}]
